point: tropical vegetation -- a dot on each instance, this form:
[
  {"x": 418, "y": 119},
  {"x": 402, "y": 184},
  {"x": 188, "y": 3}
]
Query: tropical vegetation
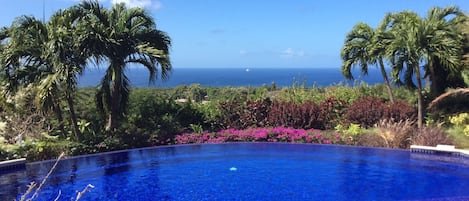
[
  {"x": 44, "y": 112},
  {"x": 365, "y": 46},
  {"x": 415, "y": 46},
  {"x": 123, "y": 36}
]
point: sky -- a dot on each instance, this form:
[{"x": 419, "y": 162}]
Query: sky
[{"x": 249, "y": 33}]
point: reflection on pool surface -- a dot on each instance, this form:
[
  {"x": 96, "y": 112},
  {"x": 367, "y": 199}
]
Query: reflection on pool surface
[{"x": 262, "y": 171}]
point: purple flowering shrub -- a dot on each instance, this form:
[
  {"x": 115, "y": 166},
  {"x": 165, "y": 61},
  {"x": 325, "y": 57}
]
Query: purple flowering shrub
[{"x": 278, "y": 134}]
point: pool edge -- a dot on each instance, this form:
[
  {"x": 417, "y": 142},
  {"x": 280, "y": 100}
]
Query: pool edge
[{"x": 12, "y": 164}]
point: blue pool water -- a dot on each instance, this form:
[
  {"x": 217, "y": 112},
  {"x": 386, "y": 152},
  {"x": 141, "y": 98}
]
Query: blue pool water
[{"x": 247, "y": 171}]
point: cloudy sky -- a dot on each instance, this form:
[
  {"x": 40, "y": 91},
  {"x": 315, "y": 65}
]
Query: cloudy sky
[{"x": 249, "y": 33}]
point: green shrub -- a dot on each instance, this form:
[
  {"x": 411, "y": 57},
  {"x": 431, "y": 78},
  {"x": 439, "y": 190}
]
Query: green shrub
[
  {"x": 44, "y": 150},
  {"x": 9, "y": 152},
  {"x": 461, "y": 119},
  {"x": 351, "y": 130},
  {"x": 297, "y": 93},
  {"x": 86, "y": 111},
  {"x": 343, "y": 92},
  {"x": 460, "y": 129},
  {"x": 156, "y": 120}
]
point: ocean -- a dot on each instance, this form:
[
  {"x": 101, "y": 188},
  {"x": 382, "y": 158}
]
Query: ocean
[{"x": 238, "y": 77}]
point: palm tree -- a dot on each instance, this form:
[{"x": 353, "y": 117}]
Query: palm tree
[
  {"x": 447, "y": 21},
  {"x": 415, "y": 44},
  {"x": 465, "y": 30},
  {"x": 3, "y": 36},
  {"x": 363, "y": 47},
  {"x": 47, "y": 55},
  {"x": 68, "y": 58},
  {"x": 23, "y": 62},
  {"x": 124, "y": 36}
]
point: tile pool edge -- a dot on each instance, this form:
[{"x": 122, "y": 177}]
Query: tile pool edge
[
  {"x": 440, "y": 152},
  {"x": 439, "y": 148},
  {"x": 12, "y": 164}
]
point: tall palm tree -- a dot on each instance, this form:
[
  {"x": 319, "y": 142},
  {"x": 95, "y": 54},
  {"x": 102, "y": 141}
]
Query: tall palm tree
[
  {"x": 68, "y": 58},
  {"x": 445, "y": 21},
  {"x": 363, "y": 46},
  {"x": 405, "y": 51},
  {"x": 124, "y": 36},
  {"x": 3, "y": 36},
  {"x": 415, "y": 44},
  {"x": 465, "y": 30},
  {"x": 47, "y": 55},
  {"x": 23, "y": 61}
]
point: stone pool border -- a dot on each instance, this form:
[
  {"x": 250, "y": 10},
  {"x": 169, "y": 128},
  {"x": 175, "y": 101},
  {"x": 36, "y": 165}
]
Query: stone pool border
[
  {"x": 446, "y": 153},
  {"x": 12, "y": 164}
]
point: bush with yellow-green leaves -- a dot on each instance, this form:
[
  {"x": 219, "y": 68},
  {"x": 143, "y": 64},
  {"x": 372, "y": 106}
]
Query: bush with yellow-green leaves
[{"x": 461, "y": 121}]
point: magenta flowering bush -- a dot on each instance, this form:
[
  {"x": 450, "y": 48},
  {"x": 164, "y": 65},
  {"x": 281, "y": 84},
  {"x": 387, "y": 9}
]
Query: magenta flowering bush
[{"x": 278, "y": 134}]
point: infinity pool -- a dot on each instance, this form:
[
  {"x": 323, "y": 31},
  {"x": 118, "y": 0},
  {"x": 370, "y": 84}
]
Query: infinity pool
[{"x": 246, "y": 171}]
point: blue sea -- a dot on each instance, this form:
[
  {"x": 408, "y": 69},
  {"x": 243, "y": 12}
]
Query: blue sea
[{"x": 237, "y": 77}]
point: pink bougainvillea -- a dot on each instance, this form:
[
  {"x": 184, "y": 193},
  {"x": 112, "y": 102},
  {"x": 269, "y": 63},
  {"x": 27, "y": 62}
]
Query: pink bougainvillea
[{"x": 277, "y": 134}]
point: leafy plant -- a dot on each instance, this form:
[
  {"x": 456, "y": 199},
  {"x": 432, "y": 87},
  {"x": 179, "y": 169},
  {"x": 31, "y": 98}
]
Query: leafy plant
[
  {"x": 196, "y": 128},
  {"x": 297, "y": 115},
  {"x": 350, "y": 133},
  {"x": 460, "y": 129},
  {"x": 461, "y": 119},
  {"x": 366, "y": 111},
  {"x": 332, "y": 111},
  {"x": 244, "y": 115},
  {"x": 352, "y": 129},
  {"x": 369, "y": 110}
]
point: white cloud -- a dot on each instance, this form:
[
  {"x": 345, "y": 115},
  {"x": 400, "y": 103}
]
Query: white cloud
[
  {"x": 139, "y": 3},
  {"x": 290, "y": 53}
]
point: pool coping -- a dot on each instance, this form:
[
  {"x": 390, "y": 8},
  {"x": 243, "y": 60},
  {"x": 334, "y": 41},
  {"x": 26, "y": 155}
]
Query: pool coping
[
  {"x": 15, "y": 163},
  {"x": 439, "y": 148},
  {"x": 446, "y": 153}
]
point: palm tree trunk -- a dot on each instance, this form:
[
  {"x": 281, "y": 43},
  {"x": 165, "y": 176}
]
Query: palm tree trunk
[
  {"x": 73, "y": 118},
  {"x": 115, "y": 102},
  {"x": 419, "y": 97},
  {"x": 386, "y": 80},
  {"x": 434, "y": 83},
  {"x": 60, "y": 119}
]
